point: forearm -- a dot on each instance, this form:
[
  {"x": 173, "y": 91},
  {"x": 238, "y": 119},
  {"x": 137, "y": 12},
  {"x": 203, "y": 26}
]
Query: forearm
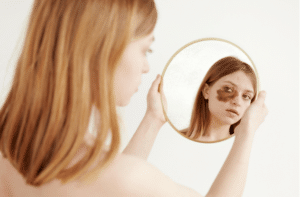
[
  {"x": 231, "y": 179},
  {"x": 142, "y": 141}
]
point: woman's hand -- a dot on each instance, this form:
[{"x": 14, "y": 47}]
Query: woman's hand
[
  {"x": 253, "y": 117},
  {"x": 143, "y": 139},
  {"x": 154, "y": 106}
]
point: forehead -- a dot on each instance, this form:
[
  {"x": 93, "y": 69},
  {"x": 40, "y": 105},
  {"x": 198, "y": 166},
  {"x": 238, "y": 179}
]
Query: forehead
[{"x": 239, "y": 78}]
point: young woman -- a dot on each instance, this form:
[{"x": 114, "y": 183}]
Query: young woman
[
  {"x": 227, "y": 90},
  {"x": 85, "y": 54}
]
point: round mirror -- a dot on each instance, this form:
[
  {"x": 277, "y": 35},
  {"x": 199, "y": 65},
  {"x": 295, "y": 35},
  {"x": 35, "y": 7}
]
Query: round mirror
[{"x": 208, "y": 85}]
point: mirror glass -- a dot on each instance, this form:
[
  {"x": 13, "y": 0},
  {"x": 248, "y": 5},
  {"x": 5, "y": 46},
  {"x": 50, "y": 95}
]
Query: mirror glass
[{"x": 183, "y": 76}]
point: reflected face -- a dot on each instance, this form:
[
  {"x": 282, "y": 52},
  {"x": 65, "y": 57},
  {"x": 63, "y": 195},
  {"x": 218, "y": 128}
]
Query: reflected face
[
  {"x": 229, "y": 97},
  {"x": 133, "y": 64}
]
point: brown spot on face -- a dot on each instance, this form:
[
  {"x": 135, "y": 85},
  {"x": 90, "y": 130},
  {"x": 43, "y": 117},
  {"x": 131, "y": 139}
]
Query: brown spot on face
[{"x": 226, "y": 96}]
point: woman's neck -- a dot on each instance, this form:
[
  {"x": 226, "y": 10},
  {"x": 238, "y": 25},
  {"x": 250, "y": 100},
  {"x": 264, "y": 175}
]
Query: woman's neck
[{"x": 216, "y": 130}]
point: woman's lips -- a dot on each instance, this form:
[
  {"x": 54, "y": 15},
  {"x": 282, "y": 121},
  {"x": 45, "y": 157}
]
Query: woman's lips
[{"x": 233, "y": 111}]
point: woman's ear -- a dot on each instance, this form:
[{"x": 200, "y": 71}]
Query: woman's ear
[{"x": 205, "y": 91}]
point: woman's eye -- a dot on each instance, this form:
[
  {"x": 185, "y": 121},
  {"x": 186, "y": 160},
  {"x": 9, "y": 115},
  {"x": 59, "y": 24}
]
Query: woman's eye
[
  {"x": 247, "y": 97},
  {"x": 228, "y": 89}
]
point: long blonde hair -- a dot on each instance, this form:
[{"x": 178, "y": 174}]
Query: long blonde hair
[
  {"x": 67, "y": 65},
  {"x": 201, "y": 115}
]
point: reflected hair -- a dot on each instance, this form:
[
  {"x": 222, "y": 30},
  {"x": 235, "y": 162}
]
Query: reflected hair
[
  {"x": 67, "y": 65},
  {"x": 200, "y": 118}
]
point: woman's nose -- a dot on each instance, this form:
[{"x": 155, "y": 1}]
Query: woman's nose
[{"x": 237, "y": 100}]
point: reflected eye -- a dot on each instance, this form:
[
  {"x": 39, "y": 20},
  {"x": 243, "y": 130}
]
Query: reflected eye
[
  {"x": 228, "y": 89},
  {"x": 247, "y": 97}
]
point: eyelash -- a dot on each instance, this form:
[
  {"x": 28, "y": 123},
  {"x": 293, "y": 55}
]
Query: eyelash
[
  {"x": 226, "y": 89},
  {"x": 230, "y": 90},
  {"x": 247, "y": 97}
]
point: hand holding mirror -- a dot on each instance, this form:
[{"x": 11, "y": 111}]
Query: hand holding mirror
[{"x": 208, "y": 85}]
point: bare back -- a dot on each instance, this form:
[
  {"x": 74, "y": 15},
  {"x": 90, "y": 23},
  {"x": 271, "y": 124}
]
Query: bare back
[
  {"x": 126, "y": 176},
  {"x": 12, "y": 184}
]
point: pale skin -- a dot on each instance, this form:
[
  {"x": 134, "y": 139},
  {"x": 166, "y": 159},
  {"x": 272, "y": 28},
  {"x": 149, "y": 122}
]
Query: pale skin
[
  {"x": 237, "y": 90},
  {"x": 221, "y": 115},
  {"x": 131, "y": 175}
]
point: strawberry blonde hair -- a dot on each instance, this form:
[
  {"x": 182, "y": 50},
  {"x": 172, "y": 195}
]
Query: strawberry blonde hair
[
  {"x": 200, "y": 115},
  {"x": 67, "y": 65}
]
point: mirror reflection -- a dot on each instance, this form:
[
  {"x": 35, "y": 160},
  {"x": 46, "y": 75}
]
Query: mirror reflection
[{"x": 208, "y": 85}]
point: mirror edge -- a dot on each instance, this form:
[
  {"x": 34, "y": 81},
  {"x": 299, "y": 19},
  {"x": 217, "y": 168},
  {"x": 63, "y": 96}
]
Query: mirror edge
[{"x": 170, "y": 60}]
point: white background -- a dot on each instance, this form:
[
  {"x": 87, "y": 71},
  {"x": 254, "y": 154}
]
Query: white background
[{"x": 267, "y": 30}]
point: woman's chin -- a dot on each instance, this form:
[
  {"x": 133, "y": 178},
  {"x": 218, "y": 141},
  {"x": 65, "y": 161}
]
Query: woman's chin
[
  {"x": 123, "y": 102},
  {"x": 231, "y": 121}
]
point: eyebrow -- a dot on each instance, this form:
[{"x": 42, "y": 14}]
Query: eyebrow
[{"x": 250, "y": 91}]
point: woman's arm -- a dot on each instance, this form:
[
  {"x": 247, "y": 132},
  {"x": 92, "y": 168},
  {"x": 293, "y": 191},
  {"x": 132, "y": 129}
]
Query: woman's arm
[
  {"x": 144, "y": 179},
  {"x": 232, "y": 176},
  {"x": 142, "y": 141}
]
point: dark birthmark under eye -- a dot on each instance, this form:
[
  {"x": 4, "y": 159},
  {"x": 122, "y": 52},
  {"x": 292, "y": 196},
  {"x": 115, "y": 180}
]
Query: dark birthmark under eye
[{"x": 226, "y": 96}]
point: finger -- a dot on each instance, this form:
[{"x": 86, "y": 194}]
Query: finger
[
  {"x": 155, "y": 83},
  {"x": 265, "y": 109},
  {"x": 161, "y": 86},
  {"x": 262, "y": 94},
  {"x": 261, "y": 97}
]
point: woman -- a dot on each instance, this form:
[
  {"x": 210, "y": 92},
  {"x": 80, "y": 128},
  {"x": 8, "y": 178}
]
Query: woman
[
  {"x": 80, "y": 54},
  {"x": 227, "y": 90}
]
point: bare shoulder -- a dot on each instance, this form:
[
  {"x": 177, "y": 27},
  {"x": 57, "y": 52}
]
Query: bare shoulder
[
  {"x": 184, "y": 131},
  {"x": 126, "y": 176},
  {"x": 4, "y": 190},
  {"x": 2, "y": 181},
  {"x": 131, "y": 176},
  {"x": 11, "y": 182}
]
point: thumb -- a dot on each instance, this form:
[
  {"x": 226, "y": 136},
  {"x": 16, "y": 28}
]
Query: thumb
[
  {"x": 161, "y": 85},
  {"x": 155, "y": 84}
]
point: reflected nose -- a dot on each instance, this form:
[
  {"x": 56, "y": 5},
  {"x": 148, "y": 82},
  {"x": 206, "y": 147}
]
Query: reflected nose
[{"x": 237, "y": 100}]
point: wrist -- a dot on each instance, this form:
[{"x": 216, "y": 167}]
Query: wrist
[
  {"x": 242, "y": 133},
  {"x": 153, "y": 120}
]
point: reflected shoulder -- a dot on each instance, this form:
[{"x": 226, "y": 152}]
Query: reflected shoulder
[{"x": 184, "y": 131}]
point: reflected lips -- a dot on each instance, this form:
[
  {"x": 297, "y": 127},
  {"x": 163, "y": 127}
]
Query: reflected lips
[{"x": 233, "y": 111}]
